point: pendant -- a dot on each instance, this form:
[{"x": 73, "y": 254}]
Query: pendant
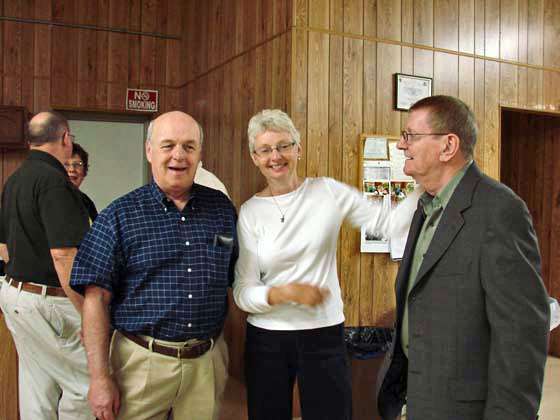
[{"x": 282, "y": 219}]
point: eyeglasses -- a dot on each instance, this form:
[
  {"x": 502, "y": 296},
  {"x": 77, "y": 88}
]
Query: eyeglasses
[
  {"x": 407, "y": 137},
  {"x": 74, "y": 165},
  {"x": 282, "y": 148},
  {"x": 72, "y": 136}
]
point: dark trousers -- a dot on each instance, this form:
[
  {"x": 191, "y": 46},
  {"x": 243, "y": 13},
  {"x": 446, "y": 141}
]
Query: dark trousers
[{"x": 317, "y": 357}]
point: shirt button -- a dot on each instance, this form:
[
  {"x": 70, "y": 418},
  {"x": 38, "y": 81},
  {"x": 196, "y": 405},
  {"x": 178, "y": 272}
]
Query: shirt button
[
  {"x": 189, "y": 325},
  {"x": 187, "y": 243},
  {"x": 165, "y": 208},
  {"x": 182, "y": 219},
  {"x": 189, "y": 270},
  {"x": 190, "y": 296}
]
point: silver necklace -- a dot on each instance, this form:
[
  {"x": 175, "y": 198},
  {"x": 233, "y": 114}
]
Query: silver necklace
[{"x": 282, "y": 213}]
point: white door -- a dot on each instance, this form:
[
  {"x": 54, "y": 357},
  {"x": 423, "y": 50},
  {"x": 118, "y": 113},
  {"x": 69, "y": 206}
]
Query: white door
[{"x": 117, "y": 163}]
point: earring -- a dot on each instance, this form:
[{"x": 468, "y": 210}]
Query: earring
[{"x": 298, "y": 157}]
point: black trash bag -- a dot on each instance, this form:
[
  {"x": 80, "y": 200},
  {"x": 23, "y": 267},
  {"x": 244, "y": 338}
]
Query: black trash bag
[{"x": 367, "y": 342}]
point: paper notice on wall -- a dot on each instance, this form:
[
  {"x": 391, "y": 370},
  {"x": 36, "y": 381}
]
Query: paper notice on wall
[
  {"x": 397, "y": 163},
  {"x": 376, "y": 148},
  {"x": 376, "y": 186}
]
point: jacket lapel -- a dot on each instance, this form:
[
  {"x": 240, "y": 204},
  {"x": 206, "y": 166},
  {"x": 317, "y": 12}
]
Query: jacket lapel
[
  {"x": 404, "y": 269},
  {"x": 450, "y": 223}
]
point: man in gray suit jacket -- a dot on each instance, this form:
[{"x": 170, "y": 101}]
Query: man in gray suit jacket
[{"x": 472, "y": 313}]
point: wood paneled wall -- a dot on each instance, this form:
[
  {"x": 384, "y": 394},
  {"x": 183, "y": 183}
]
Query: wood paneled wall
[
  {"x": 240, "y": 67},
  {"x": 531, "y": 167},
  {"x": 345, "y": 52},
  {"x": 47, "y": 66}
]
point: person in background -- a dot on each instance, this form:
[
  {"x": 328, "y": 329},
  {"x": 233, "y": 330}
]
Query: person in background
[
  {"x": 208, "y": 179},
  {"x": 77, "y": 168},
  {"x": 156, "y": 266},
  {"x": 472, "y": 311},
  {"x": 286, "y": 278},
  {"x": 42, "y": 223}
]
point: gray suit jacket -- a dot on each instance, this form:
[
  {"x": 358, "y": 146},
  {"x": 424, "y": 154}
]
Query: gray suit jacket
[{"x": 478, "y": 314}]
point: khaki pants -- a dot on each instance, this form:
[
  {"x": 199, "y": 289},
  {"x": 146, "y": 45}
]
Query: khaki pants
[
  {"x": 153, "y": 385},
  {"x": 53, "y": 378}
]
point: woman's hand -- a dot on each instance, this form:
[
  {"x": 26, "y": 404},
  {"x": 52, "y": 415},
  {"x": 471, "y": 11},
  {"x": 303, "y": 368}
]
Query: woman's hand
[{"x": 304, "y": 294}]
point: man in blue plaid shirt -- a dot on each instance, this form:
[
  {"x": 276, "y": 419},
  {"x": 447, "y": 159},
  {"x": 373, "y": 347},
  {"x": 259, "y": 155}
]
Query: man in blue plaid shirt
[{"x": 155, "y": 267}]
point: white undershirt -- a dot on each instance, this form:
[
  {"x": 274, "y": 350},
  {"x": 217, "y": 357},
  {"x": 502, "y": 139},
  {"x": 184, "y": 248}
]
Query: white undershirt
[{"x": 302, "y": 249}]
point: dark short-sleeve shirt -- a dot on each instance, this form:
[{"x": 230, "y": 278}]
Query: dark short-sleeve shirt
[
  {"x": 168, "y": 270},
  {"x": 90, "y": 206},
  {"x": 41, "y": 210}
]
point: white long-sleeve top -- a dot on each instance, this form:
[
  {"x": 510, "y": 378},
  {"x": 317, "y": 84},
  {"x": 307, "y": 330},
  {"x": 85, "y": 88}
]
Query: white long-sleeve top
[{"x": 302, "y": 249}]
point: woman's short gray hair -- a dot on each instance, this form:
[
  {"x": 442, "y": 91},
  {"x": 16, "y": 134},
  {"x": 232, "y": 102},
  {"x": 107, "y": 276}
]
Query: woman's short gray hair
[{"x": 271, "y": 120}]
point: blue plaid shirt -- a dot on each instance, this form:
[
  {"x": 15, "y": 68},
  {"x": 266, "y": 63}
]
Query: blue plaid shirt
[{"x": 168, "y": 270}]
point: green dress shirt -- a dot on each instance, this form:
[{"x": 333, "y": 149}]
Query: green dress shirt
[{"x": 433, "y": 209}]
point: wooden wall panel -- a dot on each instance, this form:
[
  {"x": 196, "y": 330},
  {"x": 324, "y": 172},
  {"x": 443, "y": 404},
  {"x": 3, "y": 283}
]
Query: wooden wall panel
[
  {"x": 446, "y": 74},
  {"x": 523, "y": 52},
  {"x": 446, "y": 24},
  {"x": 424, "y": 22},
  {"x": 490, "y": 141},
  {"x": 317, "y": 105},
  {"x": 492, "y": 28},
  {"x": 351, "y": 129},
  {"x": 388, "y": 20},
  {"x": 466, "y": 25},
  {"x": 509, "y": 29}
]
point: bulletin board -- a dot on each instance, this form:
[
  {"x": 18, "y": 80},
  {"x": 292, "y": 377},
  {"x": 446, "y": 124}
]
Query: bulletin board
[{"x": 382, "y": 180}]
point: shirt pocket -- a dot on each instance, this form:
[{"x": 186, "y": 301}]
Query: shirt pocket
[{"x": 218, "y": 259}]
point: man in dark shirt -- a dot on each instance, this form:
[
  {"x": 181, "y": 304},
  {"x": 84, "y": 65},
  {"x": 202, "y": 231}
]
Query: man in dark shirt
[
  {"x": 42, "y": 221},
  {"x": 156, "y": 266}
]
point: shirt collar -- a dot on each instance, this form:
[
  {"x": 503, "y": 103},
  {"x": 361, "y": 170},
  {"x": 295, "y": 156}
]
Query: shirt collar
[
  {"x": 160, "y": 196},
  {"x": 49, "y": 159},
  {"x": 440, "y": 200}
]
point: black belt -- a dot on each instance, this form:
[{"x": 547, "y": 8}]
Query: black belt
[
  {"x": 37, "y": 289},
  {"x": 186, "y": 352}
]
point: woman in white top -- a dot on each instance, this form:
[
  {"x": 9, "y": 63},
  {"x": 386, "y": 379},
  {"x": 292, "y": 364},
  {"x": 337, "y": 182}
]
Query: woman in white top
[{"x": 286, "y": 278}]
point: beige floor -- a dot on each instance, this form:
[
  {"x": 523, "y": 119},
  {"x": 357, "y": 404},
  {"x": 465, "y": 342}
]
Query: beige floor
[
  {"x": 550, "y": 405},
  {"x": 234, "y": 404}
]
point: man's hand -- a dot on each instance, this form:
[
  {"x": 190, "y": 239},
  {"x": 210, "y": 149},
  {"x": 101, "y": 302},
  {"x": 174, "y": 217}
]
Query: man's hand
[
  {"x": 304, "y": 294},
  {"x": 104, "y": 398}
]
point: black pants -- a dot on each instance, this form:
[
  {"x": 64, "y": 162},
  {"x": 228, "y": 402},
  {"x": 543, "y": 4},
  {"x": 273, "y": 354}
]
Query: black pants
[{"x": 318, "y": 358}]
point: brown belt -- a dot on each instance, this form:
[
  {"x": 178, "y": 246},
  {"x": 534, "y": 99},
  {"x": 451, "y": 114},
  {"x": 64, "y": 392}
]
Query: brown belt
[
  {"x": 38, "y": 290},
  {"x": 187, "y": 352}
]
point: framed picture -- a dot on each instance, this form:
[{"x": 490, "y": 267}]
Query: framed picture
[{"x": 410, "y": 89}]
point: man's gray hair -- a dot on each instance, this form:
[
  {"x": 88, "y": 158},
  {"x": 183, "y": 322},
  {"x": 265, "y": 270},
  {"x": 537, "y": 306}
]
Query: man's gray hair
[
  {"x": 47, "y": 130},
  {"x": 271, "y": 120},
  {"x": 451, "y": 115},
  {"x": 151, "y": 131}
]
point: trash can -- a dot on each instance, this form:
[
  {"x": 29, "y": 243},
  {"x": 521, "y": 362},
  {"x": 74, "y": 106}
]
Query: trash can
[{"x": 366, "y": 348}]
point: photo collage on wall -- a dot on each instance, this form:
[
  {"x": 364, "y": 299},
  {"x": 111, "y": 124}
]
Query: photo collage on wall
[{"x": 383, "y": 182}]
